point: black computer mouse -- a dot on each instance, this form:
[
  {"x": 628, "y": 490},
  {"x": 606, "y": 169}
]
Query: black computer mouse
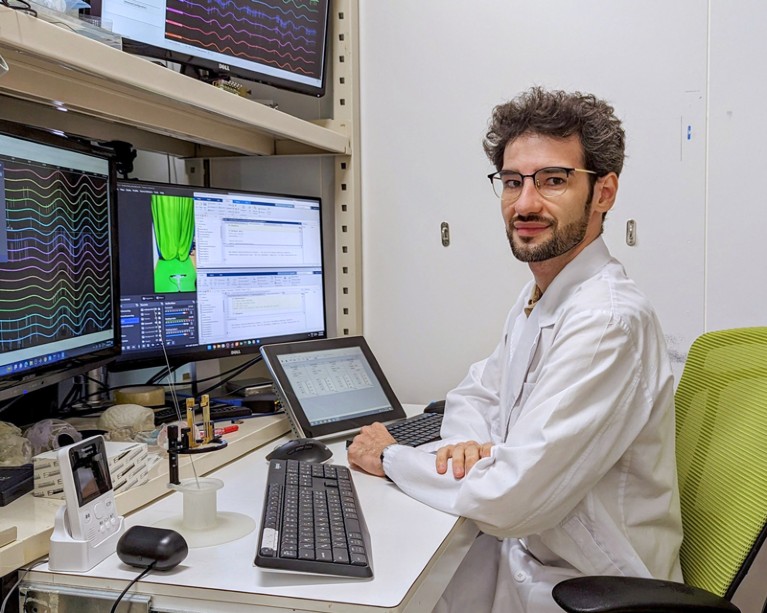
[
  {"x": 301, "y": 449},
  {"x": 435, "y": 406}
]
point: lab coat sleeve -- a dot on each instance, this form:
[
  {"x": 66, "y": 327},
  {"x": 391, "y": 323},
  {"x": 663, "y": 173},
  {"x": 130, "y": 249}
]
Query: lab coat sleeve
[{"x": 588, "y": 404}]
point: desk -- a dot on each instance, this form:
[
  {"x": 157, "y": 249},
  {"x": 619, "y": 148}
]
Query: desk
[
  {"x": 415, "y": 551},
  {"x": 34, "y": 516}
]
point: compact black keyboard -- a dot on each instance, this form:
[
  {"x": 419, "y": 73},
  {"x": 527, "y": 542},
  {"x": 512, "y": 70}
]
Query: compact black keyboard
[
  {"x": 417, "y": 430},
  {"x": 312, "y": 521},
  {"x": 217, "y": 413}
]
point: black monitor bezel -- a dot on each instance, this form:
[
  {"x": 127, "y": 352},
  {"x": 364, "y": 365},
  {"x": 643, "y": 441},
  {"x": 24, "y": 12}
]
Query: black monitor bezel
[
  {"x": 186, "y": 355},
  {"x": 12, "y": 386},
  {"x": 292, "y": 404},
  {"x": 216, "y": 70}
]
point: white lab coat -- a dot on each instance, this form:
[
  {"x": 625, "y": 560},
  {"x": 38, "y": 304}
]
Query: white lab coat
[{"x": 578, "y": 401}]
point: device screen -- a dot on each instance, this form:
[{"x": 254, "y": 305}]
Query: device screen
[
  {"x": 334, "y": 384},
  {"x": 207, "y": 273},
  {"x": 91, "y": 472}
]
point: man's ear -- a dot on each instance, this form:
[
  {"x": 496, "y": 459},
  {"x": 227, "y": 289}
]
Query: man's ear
[{"x": 605, "y": 191}]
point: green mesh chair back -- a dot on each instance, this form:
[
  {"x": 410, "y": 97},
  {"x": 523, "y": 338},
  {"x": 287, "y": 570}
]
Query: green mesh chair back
[{"x": 721, "y": 426}]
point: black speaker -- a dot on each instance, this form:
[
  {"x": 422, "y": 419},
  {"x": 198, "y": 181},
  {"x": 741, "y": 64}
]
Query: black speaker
[{"x": 143, "y": 546}]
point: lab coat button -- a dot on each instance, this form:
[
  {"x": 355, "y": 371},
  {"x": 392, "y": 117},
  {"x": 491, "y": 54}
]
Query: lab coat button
[{"x": 520, "y": 576}]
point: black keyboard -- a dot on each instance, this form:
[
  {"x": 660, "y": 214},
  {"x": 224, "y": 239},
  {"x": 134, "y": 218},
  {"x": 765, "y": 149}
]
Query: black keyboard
[
  {"x": 312, "y": 521},
  {"x": 417, "y": 430},
  {"x": 218, "y": 412}
]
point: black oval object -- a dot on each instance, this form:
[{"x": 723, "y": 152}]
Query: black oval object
[
  {"x": 303, "y": 450},
  {"x": 142, "y": 546}
]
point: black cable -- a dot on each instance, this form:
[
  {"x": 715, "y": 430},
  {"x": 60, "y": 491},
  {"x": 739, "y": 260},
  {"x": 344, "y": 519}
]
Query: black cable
[
  {"x": 19, "y": 580},
  {"x": 235, "y": 369},
  {"x": 71, "y": 398},
  {"x": 85, "y": 410},
  {"x": 11, "y": 402},
  {"x": 25, "y": 7},
  {"x": 265, "y": 384},
  {"x": 170, "y": 180},
  {"x": 225, "y": 377},
  {"x": 75, "y": 394},
  {"x": 74, "y": 397},
  {"x": 136, "y": 579},
  {"x": 64, "y": 24},
  {"x": 165, "y": 371},
  {"x": 104, "y": 387},
  {"x": 68, "y": 402}
]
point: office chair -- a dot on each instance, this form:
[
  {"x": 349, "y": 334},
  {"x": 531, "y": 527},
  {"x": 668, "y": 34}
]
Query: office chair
[{"x": 721, "y": 449}]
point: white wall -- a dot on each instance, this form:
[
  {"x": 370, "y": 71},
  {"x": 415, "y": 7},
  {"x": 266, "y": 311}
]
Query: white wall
[
  {"x": 431, "y": 72},
  {"x": 736, "y": 291},
  {"x": 736, "y": 250}
]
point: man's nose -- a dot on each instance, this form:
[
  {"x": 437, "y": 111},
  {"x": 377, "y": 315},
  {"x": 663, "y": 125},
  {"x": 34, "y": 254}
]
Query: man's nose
[{"x": 529, "y": 200}]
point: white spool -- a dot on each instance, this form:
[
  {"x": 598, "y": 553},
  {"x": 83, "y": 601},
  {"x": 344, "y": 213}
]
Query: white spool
[{"x": 201, "y": 524}]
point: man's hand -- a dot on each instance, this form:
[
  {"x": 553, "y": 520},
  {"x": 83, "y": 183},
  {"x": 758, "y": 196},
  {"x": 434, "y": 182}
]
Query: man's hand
[
  {"x": 366, "y": 448},
  {"x": 464, "y": 455}
]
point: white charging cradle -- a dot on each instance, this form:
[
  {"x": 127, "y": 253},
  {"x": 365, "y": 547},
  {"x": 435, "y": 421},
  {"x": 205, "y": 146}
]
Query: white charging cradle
[{"x": 68, "y": 554}]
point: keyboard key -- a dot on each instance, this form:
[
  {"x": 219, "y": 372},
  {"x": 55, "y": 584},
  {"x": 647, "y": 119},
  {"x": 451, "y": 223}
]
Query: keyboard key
[
  {"x": 359, "y": 559},
  {"x": 340, "y": 555}
]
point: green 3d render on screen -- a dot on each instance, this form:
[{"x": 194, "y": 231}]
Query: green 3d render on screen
[{"x": 173, "y": 220}]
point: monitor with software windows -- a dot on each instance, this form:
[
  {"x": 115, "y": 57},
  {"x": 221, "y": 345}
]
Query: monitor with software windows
[
  {"x": 57, "y": 260},
  {"x": 209, "y": 273}
]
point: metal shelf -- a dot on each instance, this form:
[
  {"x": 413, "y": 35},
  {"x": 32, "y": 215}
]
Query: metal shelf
[{"x": 104, "y": 89}]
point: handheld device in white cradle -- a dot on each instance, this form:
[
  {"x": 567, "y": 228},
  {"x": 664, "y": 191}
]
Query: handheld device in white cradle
[{"x": 87, "y": 527}]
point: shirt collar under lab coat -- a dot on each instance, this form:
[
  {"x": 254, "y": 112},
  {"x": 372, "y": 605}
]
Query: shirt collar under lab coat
[{"x": 585, "y": 265}]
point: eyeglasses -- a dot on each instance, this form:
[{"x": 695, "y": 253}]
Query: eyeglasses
[{"x": 550, "y": 182}]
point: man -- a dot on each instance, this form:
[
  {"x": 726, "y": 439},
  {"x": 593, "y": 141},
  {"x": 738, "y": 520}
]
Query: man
[{"x": 560, "y": 445}]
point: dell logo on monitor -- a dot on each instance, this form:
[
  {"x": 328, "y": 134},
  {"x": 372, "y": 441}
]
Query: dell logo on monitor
[
  {"x": 224, "y": 67},
  {"x": 235, "y": 352}
]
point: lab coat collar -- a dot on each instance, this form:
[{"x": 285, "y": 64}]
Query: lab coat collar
[{"x": 585, "y": 265}]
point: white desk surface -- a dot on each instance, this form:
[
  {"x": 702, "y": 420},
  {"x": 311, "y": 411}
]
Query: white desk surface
[
  {"x": 415, "y": 550},
  {"x": 33, "y": 516}
]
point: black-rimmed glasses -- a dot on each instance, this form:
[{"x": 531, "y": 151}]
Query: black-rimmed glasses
[{"x": 550, "y": 182}]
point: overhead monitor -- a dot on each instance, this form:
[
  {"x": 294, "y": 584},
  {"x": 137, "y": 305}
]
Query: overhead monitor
[
  {"x": 57, "y": 300},
  {"x": 209, "y": 273},
  {"x": 279, "y": 43}
]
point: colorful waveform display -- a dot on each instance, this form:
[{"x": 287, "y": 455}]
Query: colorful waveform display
[
  {"x": 285, "y": 35},
  {"x": 55, "y": 267}
]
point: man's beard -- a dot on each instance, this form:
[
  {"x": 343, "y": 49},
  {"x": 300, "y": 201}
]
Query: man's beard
[{"x": 561, "y": 240}]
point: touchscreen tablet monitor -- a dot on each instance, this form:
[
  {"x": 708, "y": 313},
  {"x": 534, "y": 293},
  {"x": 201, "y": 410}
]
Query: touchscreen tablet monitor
[{"x": 331, "y": 386}]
